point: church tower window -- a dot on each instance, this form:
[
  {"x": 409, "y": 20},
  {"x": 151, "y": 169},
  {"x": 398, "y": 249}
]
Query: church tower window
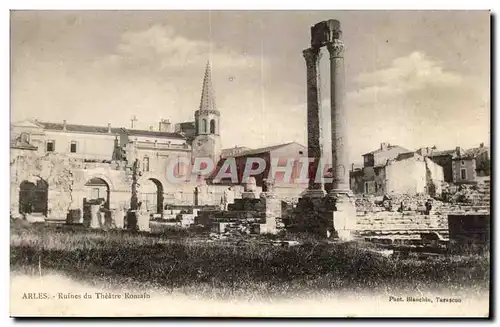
[
  {"x": 212, "y": 126},
  {"x": 203, "y": 125}
]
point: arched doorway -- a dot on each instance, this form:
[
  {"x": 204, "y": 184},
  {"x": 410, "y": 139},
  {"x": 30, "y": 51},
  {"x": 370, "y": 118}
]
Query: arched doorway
[
  {"x": 151, "y": 195},
  {"x": 96, "y": 192},
  {"x": 33, "y": 197}
]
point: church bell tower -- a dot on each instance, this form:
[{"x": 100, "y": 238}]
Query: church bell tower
[{"x": 207, "y": 142}]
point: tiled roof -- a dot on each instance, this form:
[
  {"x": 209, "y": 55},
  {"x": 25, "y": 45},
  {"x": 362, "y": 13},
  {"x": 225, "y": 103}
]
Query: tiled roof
[
  {"x": 442, "y": 153},
  {"x": 104, "y": 130},
  {"x": 262, "y": 150},
  {"x": 78, "y": 128},
  {"x": 476, "y": 151},
  {"x": 387, "y": 149},
  {"x": 153, "y": 133},
  {"x": 234, "y": 151},
  {"x": 405, "y": 155},
  {"x": 464, "y": 157}
]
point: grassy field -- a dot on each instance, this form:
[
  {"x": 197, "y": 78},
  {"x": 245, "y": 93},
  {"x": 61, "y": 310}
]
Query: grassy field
[{"x": 184, "y": 261}]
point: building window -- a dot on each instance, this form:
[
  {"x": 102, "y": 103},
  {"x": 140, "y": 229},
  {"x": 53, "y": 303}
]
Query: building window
[
  {"x": 463, "y": 174},
  {"x": 212, "y": 126},
  {"x": 462, "y": 163},
  {"x": 51, "y": 146},
  {"x": 145, "y": 165},
  {"x": 25, "y": 137},
  {"x": 203, "y": 126},
  {"x": 72, "y": 148}
]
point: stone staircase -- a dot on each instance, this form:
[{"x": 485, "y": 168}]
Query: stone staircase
[{"x": 397, "y": 225}]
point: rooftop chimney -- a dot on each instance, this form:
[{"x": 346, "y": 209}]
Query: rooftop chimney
[
  {"x": 458, "y": 150},
  {"x": 64, "y": 125},
  {"x": 150, "y": 128},
  {"x": 109, "y": 127},
  {"x": 481, "y": 145},
  {"x": 384, "y": 146}
]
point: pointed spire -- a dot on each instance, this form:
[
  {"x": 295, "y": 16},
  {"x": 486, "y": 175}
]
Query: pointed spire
[{"x": 207, "y": 93}]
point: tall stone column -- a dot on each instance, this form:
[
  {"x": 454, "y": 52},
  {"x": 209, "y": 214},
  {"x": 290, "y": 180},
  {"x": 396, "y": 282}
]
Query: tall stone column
[
  {"x": 314, "y": 142},
  {"x": 345, "y": 211},
  {"x": 340, "y": 150}
]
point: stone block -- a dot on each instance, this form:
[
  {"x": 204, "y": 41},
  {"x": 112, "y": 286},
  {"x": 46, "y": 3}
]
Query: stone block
[
  {"x": 118, "y": 217},
  {"x": 250, "y": 195},
  {"x": 219, "y": 227},
  {"x": 35, "y": 218},
  {"x": 95, "y": 216},
  {"x": 143, "y": 222},
  {"x": 187, "y": 219}
]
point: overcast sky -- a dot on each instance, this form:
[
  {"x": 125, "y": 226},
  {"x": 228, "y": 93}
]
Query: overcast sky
[{"x": 417, "y": 78}]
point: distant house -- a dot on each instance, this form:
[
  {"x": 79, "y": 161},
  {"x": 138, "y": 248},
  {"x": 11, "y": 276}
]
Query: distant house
[
  {"x": 481, "y": 156},
  {"x": 459, "y": 165},
  {"x": 371, "y": 178},
  {"x": 396, "y": 170},
  {"x": 444, "y": 158},
  {"x": 380, "y": 156},
  {"x": 464, "y": 169}
]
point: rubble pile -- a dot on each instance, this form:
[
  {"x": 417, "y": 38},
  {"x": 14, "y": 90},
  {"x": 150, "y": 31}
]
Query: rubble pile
[
  {"x": 471, "y": 194},
  {"x": 366, "y": 204},
  {"x": 392, "y": 203},
  {"x": 410, "y": 202}
]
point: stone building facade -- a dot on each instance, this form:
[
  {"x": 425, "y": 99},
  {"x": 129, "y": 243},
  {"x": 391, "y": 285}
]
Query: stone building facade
[
  {"x": 58, "y": 168},
  {"x": 464, "y": 169},
  {"x": 406, "y": 173}
]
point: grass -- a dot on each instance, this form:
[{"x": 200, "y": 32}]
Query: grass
[{"x": 183, "y": 261}]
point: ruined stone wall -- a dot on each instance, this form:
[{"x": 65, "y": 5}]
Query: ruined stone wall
[
  {"x": 55, "y": 170},
  {"x": 66, "y": 178},
  {"x": 434, "y": 177},
  {"x": 375, "y": 179},
  {"x": 406, "y": 176}
]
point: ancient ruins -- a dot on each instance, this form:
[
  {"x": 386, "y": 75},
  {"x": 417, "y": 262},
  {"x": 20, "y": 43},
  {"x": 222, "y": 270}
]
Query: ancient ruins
[
  {"x": 334, "y": 212},
  {"x": 107, "y": 177}
]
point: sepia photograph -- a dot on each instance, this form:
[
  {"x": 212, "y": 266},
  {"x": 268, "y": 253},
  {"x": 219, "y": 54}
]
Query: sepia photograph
[{"x": 250, "y": 163}]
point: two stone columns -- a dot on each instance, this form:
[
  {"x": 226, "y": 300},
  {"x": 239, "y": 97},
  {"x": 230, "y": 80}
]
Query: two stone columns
[{"x": 344, "y": 212}]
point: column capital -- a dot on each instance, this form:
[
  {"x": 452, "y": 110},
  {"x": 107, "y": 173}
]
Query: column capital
[
  {"x": 312, "y": 56},
  {"x": 336, "y": 48}
]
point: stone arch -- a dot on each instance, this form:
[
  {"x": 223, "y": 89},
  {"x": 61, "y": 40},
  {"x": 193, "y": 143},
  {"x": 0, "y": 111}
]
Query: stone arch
[
  {"x": 33, "y": 196},
  {"x": 152, "y": 199},
  {"x": 97, "y": 189},
  {"x": 212, "y": 126},
  {"x": 104, "y": 178}
]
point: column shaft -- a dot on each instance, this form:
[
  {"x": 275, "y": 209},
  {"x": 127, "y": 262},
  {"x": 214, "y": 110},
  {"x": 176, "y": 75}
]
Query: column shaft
[
  {"x": 314, "y": 143},
  {"x": 340, "y": 147}
]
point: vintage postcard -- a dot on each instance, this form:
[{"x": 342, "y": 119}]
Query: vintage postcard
[{"x": 250, "y": 163}]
